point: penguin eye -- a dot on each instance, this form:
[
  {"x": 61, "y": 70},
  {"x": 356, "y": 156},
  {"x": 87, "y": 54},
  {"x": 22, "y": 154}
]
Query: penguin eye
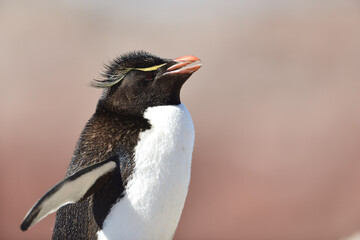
[{"x": 149, "y": 76}]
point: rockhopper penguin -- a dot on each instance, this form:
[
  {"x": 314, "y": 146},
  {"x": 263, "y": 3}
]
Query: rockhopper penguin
[{"x": 130, "y": 172}]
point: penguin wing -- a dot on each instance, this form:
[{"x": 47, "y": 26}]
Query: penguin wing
[{"x": 71, "y": 190}]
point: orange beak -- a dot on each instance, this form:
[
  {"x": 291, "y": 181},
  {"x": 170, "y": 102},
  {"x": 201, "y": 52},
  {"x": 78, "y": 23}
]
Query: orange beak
[{"x": 178, "y": 68}]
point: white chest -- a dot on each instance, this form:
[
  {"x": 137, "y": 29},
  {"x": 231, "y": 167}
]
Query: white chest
[{"x": 155, "y": 194}]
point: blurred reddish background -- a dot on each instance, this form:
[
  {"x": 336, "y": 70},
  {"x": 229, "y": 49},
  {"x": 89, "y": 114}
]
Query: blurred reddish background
[{"x": 276, "y": 107}]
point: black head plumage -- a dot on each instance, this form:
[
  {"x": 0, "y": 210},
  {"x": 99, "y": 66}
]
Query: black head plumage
[
  {"x": 138, "y": 80},
  {"x": 136, "y": 59},
  {"x": 116, "y": 70}
]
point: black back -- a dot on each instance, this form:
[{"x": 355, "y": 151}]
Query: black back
[{"x": 103, "y": 136}]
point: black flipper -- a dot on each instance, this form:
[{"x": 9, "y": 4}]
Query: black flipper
[{"x": 71, "y": 190}]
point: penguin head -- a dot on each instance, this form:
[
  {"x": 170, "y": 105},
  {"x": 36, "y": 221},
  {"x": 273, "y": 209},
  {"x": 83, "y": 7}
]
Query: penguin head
[{"x": 138, "y": 80}]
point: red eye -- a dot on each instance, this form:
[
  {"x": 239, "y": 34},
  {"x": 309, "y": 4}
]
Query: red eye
[{"x": 149, "y": 76}]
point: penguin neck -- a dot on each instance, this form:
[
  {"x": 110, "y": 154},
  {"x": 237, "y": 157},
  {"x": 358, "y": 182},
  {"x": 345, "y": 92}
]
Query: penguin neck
[{"x": 104, "y": 108}]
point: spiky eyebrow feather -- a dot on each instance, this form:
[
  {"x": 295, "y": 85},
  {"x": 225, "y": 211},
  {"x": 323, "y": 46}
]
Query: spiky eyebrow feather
[{"x": 114, "y": 79}]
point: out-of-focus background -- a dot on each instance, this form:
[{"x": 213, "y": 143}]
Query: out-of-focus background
[{"x": 276, "y": 107}]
